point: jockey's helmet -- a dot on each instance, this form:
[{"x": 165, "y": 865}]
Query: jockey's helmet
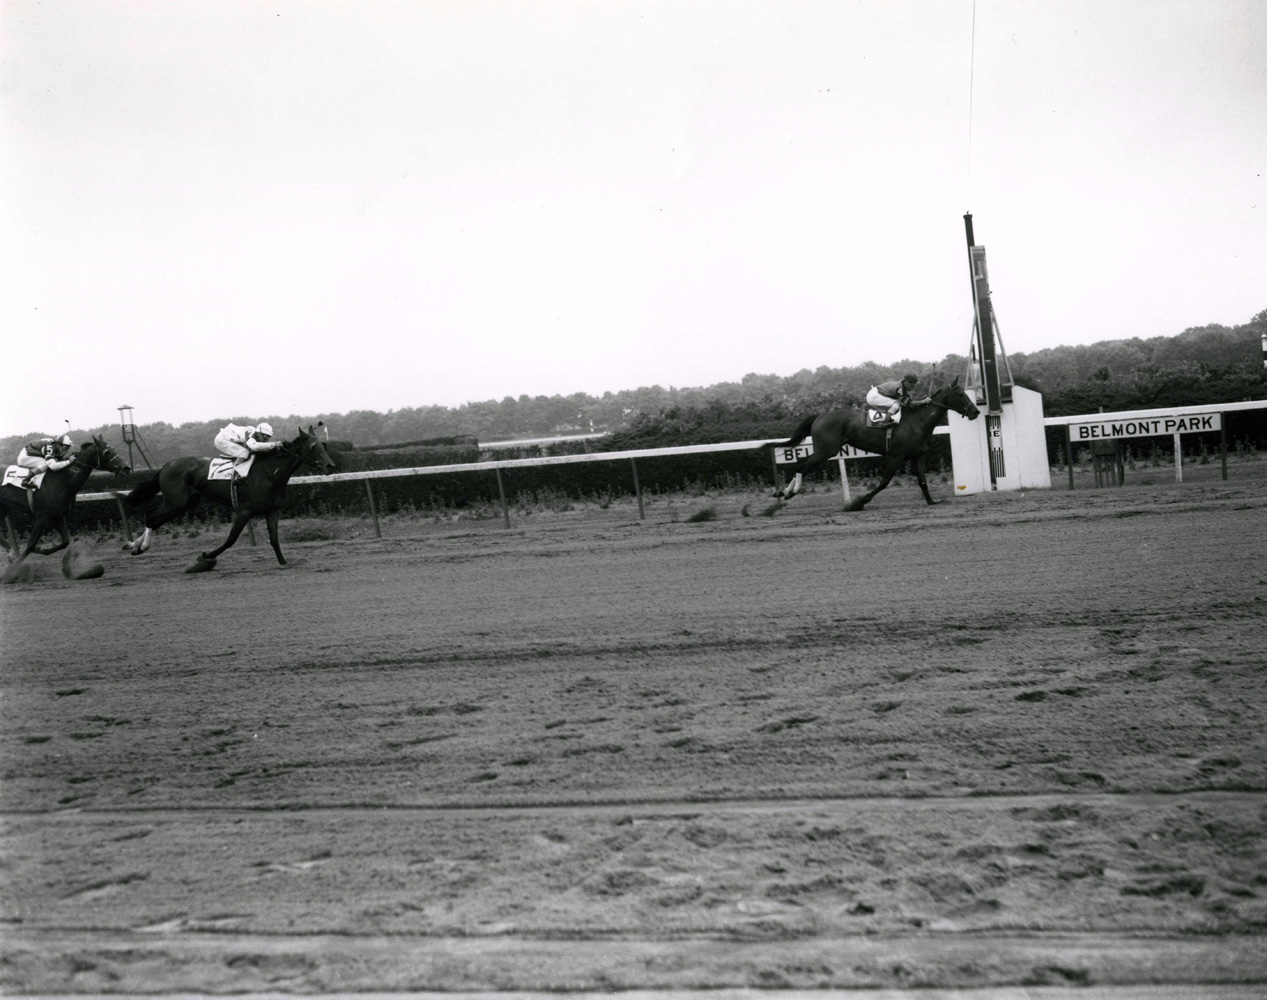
[
  {"x": 910, "y": 379},
  {"x": 265, "y": 429},
  {"x": 65, "y": 441}
]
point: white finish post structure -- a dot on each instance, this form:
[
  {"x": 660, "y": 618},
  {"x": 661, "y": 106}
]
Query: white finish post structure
[{"x": 1007, "y": 450}]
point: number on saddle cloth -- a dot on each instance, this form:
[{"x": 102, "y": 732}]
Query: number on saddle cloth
[
  {"x": 881, "y": 418},
  {"x": 222, "y": 468},
  {"x": 15, "y": 475}
]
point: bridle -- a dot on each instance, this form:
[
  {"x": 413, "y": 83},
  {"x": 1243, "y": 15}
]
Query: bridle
[
  {"x": 300, "y": 457},
  {"x": 107, "y": 460}
]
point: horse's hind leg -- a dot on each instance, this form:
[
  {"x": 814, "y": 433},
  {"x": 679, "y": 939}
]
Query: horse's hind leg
[
  {"x": 156, "y": 519},
  {"x": 38, "y": 527},
  {"x": 793, "y": 487}
]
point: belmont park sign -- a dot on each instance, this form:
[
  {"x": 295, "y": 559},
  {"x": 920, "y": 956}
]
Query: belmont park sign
[{"x": 1189, "y": 423}]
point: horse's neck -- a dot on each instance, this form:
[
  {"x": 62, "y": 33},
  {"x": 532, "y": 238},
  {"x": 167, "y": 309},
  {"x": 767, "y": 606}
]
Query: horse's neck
[
  {"x": 79, "y": 473},
  {"x": 925, "y": 418},
  {"x": 287, "y": 465}
]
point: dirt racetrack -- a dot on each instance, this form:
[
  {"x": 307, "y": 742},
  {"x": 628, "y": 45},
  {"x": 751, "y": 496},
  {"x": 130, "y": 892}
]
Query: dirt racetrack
[{"x": 1011, "y": 740}]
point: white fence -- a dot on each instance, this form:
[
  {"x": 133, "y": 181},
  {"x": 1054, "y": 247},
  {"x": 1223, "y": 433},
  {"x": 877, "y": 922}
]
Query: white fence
[{"x": 697, "y": 449}]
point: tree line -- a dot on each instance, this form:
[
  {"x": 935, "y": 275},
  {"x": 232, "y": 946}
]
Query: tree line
[{"x": 1207, "y": 364}]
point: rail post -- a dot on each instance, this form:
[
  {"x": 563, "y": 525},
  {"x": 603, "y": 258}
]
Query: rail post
[
  {"x": 1069, "y": 451},
  {"x": 1178, "y": 459},
  {"x": 1223, "y": 447},
  {"x": 12, "y": 537},
  {"x": 501, "y": 490},
  {"x": 844, "y": 478},
  {"x": 633, "y": 464},
  {"x": 369, "y": 492}
]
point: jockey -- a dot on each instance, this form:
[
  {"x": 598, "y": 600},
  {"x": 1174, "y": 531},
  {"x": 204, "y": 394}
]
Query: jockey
[
  {"x": 890, "y": 397},
  {"x": 240, "y": 442},
  {"x": 45, "y": 455}
]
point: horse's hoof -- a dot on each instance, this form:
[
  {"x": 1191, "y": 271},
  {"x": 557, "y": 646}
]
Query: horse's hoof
[
  {"x": 202, "y": 565},
  {"x": 127, "y": 547}
]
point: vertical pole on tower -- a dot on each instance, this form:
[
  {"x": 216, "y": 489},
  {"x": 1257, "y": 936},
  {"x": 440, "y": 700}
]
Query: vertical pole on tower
[{"x": 986, "y": 356}]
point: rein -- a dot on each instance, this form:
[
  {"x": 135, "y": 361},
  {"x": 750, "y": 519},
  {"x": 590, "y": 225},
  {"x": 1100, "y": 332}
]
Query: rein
[
  {"x": 97, "y": 465},
  {"x": 299, "y": 458}
]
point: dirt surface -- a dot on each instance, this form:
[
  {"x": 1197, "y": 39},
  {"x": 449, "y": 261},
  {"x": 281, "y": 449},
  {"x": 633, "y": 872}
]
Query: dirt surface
[{"x": 1007, "y": 740}]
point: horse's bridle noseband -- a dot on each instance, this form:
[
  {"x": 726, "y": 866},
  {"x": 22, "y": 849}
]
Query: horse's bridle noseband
[
  {"x": 102, "y": 451},
  {"x": 302, "y": 459}
]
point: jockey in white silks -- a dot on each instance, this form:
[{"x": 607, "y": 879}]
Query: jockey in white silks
[{"x": 240, "y": 441}]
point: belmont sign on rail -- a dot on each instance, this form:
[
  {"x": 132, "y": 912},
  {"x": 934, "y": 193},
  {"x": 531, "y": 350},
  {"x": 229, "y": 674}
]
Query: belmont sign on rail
[
  {"x": 786, "y": 456},
  {"x": 1188, "y": 423}
]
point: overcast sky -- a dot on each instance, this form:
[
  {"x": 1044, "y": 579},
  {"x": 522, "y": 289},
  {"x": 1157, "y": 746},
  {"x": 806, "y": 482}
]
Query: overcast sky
[{"x": 215, "y": 209}]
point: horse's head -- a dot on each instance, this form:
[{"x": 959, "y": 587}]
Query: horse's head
[
  {"x": 954, "y": 398},
  {"x": 311, "y": 450},
  {"x": 99, "y": 455}
]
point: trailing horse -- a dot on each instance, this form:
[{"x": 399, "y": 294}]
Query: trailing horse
[
  {"x": 49, "y": 505},
  {"x": 908, "y": 441},
  {"x": 184, "y": 483}
]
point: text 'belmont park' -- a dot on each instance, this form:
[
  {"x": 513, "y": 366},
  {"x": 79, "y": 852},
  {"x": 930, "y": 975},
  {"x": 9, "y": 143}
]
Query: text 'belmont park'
[{"x": 1146, "y": 427}]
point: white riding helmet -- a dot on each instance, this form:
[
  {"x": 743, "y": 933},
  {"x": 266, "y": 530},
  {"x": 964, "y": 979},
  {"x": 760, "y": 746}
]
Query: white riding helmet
[
  {"x": 66, "y": 441},
  {"x": 264, "y": 428}
]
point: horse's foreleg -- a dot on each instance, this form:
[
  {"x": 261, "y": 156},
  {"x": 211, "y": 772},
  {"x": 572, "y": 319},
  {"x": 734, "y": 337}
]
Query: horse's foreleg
[
  {"x": 890, "y": 470},
  {"x": 921, "y": 473},
  {"x": 240, "y": 520},
  {"x": 270, "y": 518},
  {"x": 60, "y": 525}
]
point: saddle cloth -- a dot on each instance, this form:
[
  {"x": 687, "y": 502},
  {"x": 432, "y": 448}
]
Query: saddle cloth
[
  {"x": 880, "y": 418},
  {"x": 222, "y": 468},
  {"x": 15, "y": 474}
]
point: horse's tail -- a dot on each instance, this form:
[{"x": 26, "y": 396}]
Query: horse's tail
[
  {"x": 142, "y": 494},
  {"x": 798, "y": 435}
]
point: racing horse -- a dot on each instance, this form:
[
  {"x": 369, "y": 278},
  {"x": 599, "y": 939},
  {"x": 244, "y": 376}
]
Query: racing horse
[
  {"x": 908, "y": 441},
  {"x": 184, "y": 483},
  {"x": 48, "y": 506}
]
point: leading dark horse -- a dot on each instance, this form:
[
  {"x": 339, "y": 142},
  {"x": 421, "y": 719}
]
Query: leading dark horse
[
  {"x": 49, "y": 505},
  {"x": 183, "y": 484},
  {"x": 909, "y": 441}
]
